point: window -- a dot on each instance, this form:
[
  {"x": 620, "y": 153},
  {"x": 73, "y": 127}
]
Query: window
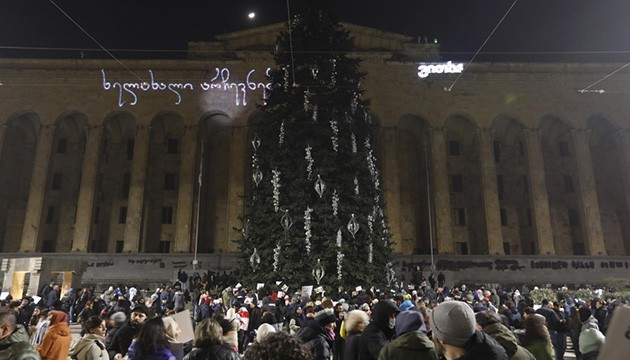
[
  {"x": 568, "y": 184},
  {"x": 165, "y": 247},
  {"x": 453, "y": 148},
  {"x": 507, "y": 248},
  {"x": 62, "y": 146},
  {"x": 50, "y": 215},
  {"x": 563, "y": 148},
  {"x": 500, "y": 187},
  {"x": 462, "y": 248},
  {"x": 170, "y": 181},
  {"x": 57, "y": 179},
  {"x": 497, "y": 151},
  {"x": 122, "y": 215},
  {"x": 574, "y": 218},
  {"x": 504, "y": 217},
  {"x": 48, "y": 246},
  {"x": 130, "y": 145},
  {"x": 120, "y": 244},
  {"x": 525, "y": 184},
  {"x": 126, "y": 184},
  {"x": 529, "y": 217},
  {"x": 459, "y": 216},
  {"x": 457, "y": 184},
  {"x": 167, "y": 215},
  {"x": 172, "y": 146}
]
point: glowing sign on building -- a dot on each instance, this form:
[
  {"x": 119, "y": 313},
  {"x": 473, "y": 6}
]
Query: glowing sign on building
[
  {"x": 128, "y": 91},
  {"x": 426, "y": 69}
]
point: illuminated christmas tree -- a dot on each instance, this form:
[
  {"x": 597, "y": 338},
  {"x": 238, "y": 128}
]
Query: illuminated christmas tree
[{"x": 315, "y": 203}]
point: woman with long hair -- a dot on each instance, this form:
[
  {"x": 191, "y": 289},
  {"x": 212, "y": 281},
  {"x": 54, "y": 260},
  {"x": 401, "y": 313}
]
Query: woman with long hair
[
  {"x": 91, "y": 345},
  {"x": 537, "y": 339},
  {"x": 151, "y": 343},
  {"x": 208, "y": 343},
  {"x": 56, "y": 342}
]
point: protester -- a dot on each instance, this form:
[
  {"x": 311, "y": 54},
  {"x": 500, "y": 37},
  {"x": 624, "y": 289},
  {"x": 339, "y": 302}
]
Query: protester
[
  {"x": 319, "y": 336},
  {"x": 278, "y": 346},
  {"x": 116, "y": 322},
  {"x": 490, "y": 323},
  {"x": 40, "y": 328},
  {"x": 454, "y": 333},
  {"x": 56, "y": 342},
  {"x": 14, "y": 341},
  {"x": 591, "y": 338},
  {"x": 91, "y": 345},
  {"x": 410, "y": 342},
  {"x": 355, "y": 323},
  {"x": 123, "y": 338},
  {"x": 172, "y": 332},
  {"x": 380, "y": 331},
  {"x": 151, "y": 343},
  {"x": 208, "y": 343},
  {"x": 537, "y": 339}
]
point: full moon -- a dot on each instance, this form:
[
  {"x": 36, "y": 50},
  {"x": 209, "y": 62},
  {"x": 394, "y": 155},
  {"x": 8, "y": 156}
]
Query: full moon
[{"x": 251, "y": 15}]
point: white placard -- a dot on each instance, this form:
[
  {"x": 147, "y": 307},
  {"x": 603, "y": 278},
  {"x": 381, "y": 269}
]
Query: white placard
[
  {"x": 307, "y": 290},
  {"x": 617, "y": 345},
  {"x": 36, "y": 299},
  {"x": 260, "y": 285},
  {"x": 184, "y": 321},
  {"x": 3, "y": 295}
]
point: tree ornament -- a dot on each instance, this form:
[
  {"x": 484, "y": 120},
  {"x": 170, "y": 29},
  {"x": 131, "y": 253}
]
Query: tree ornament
[
  {"x": 256, "y": 142},
  {"x": 356, "y": 186},
  {"x": 354, "y": 102},
  {"x": 335, "y": 135},
  {"x": 245, "y": 230},
  {"x": 314, "y": 72},
  {"x": 339, "y": 238},
  {"x": 391, "y": 274},
  {"x": 307, "y": 95},
  {"x": 370, "y": 253},
  {"x": 281, "y": 134},
  {"x": 254, "y": 260},
  {"x": 257, "y": 176},
  {"x": 275, "y": 181},
  {"x": 340, "y": 257},
  {"x": 371, "y": 160},
  {"x": 353, "y": 226},
  {"x": 276, "y": 257},
  {"x": 333, "y": 76},
  {"x": 335, "y": 202},
  {"x": 318, "y": 272},
  {"x": 320, "y": 186},
  {"x": 286, "y": 220},
  {"x": 309, "y": 162},
  {"x": 353, "y": 138},
  {"x": 307, "y": 229},
  {"x": 286, "y": 78},
  {"x": 315, "y": 113}
]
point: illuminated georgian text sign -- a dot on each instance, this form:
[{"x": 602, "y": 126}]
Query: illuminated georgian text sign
[{"x": 426, "y": 69}]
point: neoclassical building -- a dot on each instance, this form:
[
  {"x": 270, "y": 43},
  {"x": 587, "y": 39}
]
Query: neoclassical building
[{"x": 502, "y": 159}]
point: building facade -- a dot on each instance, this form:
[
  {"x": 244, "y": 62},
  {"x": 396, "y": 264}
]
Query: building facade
[{"x": 155, "y": 156}]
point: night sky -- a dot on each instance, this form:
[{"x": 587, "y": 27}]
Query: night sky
[{"x": 535, "y": 30}]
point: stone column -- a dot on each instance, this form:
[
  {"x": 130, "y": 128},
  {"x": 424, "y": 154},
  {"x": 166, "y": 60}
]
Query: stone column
[
  {"x": 391, "y": 185},
  {"x": 490, "y": 194},
  {"x": 538, "y": 194},
  {"x": 441, "y": 195},
  {"x": 186, "y": 190},
  {"x": 85, "y": 206},
  {"x": 591, "y": 221},
  {"x": 36, "y": 195},
  {"x": 135, "y": 206},
  {"x": 236, "y": 188}
]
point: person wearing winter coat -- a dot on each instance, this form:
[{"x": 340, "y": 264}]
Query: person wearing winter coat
[
  {"x": 454, "y": 333},
  {"x": 490, "y": 323},
  {"x": 208, "y": 343},
  {"x": 591, "y": 339},
  {"x": 91, "y": 345},
  {"x": 356, "y": 321},
  {"x": 410, "y": 342},
  {"x": 319, "y": 336},
  {"x": 56, "y": 342},
  {"x": 296, "y": 320},
  {"x": 151, "y": 343},
  {"x": 537, "y": 339},
  {"x": 380, "y": 331},
  {"x": 14, "y": 341}
]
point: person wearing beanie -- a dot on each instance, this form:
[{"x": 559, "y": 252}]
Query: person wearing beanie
[
  {"x": 380, "y": 331},
  {"x": 411, "y": 342},
  {"x": 490, "y": 323},
  {"x": 591, "y": 338},
  {"x": 319, "y": 335},
  {"x": 406, "y": 305},
  {"x": 264, "y": 330},
  {"x": 116, "y": 321},
  {"x": 454, "y": 332}
]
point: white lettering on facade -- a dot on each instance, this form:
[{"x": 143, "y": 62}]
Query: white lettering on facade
[
  {"x": 426, "y": 69},
  {"x": 128, "y": 91}
]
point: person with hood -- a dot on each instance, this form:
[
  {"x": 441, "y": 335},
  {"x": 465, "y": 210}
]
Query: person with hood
[
  {"x": 411, "y": 342},
  {"x": 591, "y": 339},
  {"x": 356, "y": 321},
  {"x": 490, "y": 323},
  {"x": 14, "y": 341},
  {"x": 380, "y": 331},
  {"x": 319, "y": 336},
  {"x": 296, "y": 320},
  {"x": 91, "y": 345},
  {"x": 454, "y": 334},
  {"x": 56, "y": 342}
]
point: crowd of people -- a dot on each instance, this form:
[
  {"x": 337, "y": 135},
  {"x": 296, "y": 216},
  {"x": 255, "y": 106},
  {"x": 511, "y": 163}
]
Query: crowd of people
[{"x": 430, "y": 321}]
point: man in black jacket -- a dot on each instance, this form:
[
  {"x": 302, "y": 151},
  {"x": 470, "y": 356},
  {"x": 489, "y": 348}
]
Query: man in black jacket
[
  {"x": 454, "y": 334},
  {"x": 123, "y": 338},
  {"x": 380, "y": 331}
]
